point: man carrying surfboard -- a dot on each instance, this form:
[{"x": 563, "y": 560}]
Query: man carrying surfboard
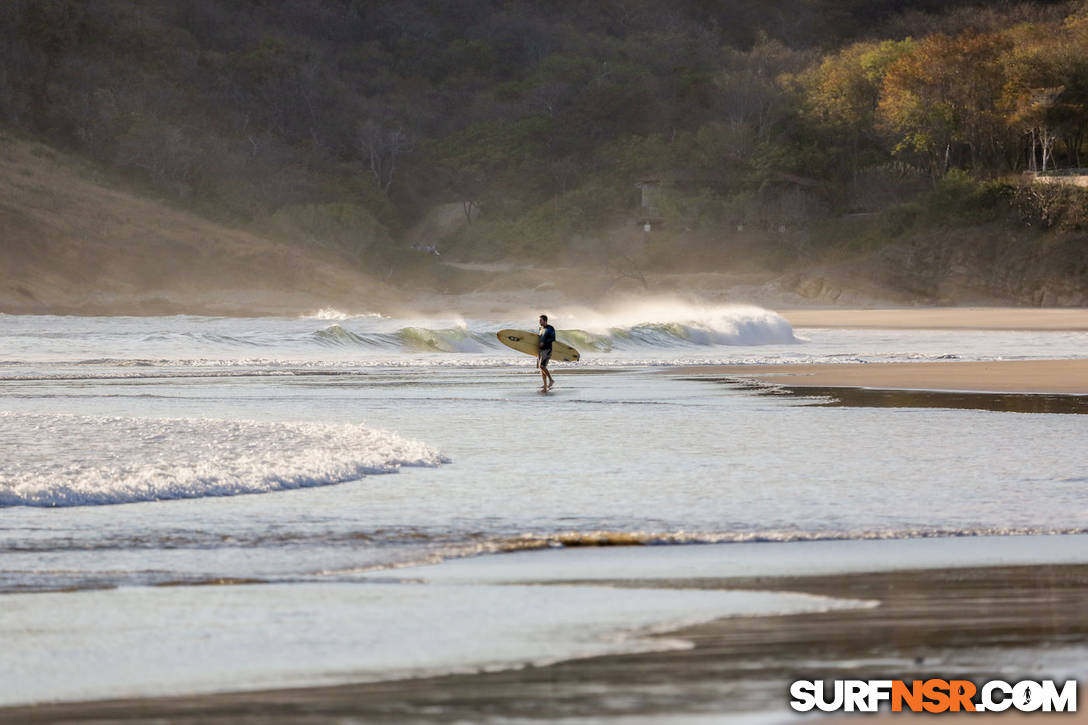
[
  {"x": 547, "y": 337},
  {"x": 542, "y": 345}
]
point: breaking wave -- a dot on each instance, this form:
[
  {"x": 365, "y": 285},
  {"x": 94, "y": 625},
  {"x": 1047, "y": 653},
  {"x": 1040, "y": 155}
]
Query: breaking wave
[
  {"x": 648, "y": 328},
  {"x": 653, "y": 332},
  {"x": 76, "y": 460},
  {"x": 657, "y": 324}
]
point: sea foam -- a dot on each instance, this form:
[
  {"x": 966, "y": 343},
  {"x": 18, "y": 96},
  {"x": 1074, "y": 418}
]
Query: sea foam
[{"x": 76, "y": 460}]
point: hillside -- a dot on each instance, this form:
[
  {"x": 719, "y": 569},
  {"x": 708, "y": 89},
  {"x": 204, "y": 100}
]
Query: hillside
[
  {"x": 839, "y": 151},
  {"x": 73, "y": 242},
  {"x": 78, "y": 241}
]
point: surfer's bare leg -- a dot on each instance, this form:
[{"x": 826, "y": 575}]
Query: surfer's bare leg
[{"x": 545, "y": 376}]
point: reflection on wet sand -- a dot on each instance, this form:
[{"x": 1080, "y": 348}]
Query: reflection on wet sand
[
  {"x": 843, "y": 397},
  {"x": 999, "y": 402},
  {"x": 992, "y": 622}
]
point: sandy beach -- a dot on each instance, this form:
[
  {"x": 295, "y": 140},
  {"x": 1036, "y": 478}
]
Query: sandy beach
[
  {"x": 943, "y": 318},
  {"x": 938, "y": 622},
  {"x": 1056, "y": 377}
]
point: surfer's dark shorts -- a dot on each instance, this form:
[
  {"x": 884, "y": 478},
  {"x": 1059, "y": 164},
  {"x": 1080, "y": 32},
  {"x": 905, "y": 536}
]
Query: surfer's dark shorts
[{"x": 545, "y": 356}]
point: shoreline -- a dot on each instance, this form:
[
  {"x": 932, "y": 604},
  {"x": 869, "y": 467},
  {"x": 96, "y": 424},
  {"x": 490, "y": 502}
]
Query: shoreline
[
  {"x": 1029, "y": 377},
  {"x": 930, "y": 622}
]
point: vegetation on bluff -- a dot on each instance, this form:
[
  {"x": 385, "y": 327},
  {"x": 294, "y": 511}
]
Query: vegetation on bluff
[{"x": 342, "y": 123}]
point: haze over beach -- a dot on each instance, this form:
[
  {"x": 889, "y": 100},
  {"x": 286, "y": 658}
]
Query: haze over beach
[{"x": 824, "y": 264}]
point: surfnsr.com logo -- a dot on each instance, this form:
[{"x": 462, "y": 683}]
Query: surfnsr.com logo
[{"x": 933, "y": 696}]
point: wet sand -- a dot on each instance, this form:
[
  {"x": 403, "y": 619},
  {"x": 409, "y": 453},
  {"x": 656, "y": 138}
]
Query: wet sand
[
  {"x": 1065, "y": 377},
  {"x": 944, "y": 318},
  {"x": 964, "y": 623}
]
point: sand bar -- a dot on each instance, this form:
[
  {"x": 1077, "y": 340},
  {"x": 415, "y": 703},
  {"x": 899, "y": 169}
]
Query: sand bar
[
  {"x": 944, "y": 318},
  {"x": 1067, "y": 377}
]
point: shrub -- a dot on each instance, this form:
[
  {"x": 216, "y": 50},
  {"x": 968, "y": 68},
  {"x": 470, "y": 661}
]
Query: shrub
[
  {"x": 1052, "y": 206},
  {"x": 959, "y": 194}
]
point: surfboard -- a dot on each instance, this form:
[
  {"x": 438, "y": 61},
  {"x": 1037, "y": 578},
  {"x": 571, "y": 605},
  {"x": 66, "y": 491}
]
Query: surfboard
[{"x": 529, "y": 343}]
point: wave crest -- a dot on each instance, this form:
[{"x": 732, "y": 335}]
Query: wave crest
[
  {"x": 335, "y": 335},
  {"x": 331, "y": 313},
  {"x": 679, "y": 324}
]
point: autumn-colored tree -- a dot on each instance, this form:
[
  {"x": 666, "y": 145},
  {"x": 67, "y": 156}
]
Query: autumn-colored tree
[
  {"x": 1046, "y": 91},
  {"x": 840, "y": 94},
  {"x": 944, "y": 92}
]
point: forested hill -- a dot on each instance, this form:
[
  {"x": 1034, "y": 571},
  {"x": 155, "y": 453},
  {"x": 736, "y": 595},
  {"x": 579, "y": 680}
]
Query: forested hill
[{"x": 760, "y": 127}]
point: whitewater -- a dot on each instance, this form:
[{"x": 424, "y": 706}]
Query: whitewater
[
  {"x": 73, "y": 460},
  {"x": 302, "y": 457}
]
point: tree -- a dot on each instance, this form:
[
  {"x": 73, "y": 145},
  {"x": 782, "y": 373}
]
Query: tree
[
  {"x": 468, "y": 182},
  {"x": 1032, "y": 112},
  {"x": 381, "y": 148},
  {"x": 946, "y": 91},
  {"x": 840, "y": 94},
  {"x": 494, "y": 160},
  {"x": 1046, "y": 93},
  {"x": 749, "y": 88}
]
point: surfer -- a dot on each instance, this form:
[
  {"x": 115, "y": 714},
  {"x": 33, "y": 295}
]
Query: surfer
[{"x": 547, "y": 337}]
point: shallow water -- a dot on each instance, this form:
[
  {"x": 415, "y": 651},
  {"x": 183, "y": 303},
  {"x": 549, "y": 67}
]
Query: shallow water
[
  {"x": 304, "y": 452},
  {"x": 995, "y": 402},
  {"x": 313, "y": 634}
]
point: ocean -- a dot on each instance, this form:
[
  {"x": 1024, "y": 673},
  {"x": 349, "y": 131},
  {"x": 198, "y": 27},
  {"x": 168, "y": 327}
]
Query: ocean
[{"x": 243, "y": 503}]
